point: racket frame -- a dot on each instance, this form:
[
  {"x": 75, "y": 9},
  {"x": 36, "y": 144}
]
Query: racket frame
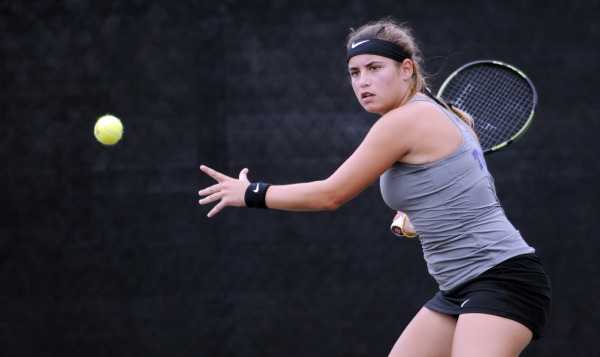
[{"x": 529, "y": 120}]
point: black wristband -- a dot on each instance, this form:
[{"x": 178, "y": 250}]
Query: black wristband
[{"x": 255, "y": 195}]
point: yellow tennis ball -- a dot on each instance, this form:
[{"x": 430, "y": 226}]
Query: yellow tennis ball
[{"x": 108, "y": 129}]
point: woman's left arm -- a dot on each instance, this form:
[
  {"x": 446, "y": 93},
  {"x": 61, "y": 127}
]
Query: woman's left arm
[{"x": 387, "y": 141}]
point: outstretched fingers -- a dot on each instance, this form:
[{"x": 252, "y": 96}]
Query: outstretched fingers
[
  {"x": 210, "y": 190},
  {"x": 216, "y": 209},
  {"x": 228, "y": 191},
  {"x": 217, "y": 176},
  {"x": 211, "y": 196}
]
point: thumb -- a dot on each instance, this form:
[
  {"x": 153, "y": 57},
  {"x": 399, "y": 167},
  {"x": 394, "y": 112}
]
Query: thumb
[
  {"x": 244, "y": 175},
  {"x": 398, "y": 215}
]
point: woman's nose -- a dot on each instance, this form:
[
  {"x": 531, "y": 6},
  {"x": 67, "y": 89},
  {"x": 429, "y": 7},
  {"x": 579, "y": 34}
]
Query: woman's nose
[{"x": 364, "y": 81}]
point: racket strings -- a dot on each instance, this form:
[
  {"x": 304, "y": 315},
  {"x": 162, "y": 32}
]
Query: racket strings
[{"x": 499, "y": 100}]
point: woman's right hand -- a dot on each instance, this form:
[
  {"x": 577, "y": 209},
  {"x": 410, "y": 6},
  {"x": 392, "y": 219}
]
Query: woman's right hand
[{"x": 408, "y": 229}]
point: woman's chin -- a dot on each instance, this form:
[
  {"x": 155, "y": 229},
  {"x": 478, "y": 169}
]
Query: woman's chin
[{"x": 370, "y": 107}]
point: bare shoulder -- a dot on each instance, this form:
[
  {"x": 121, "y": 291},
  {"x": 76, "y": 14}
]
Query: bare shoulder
[
  {"x": 399, "y": 131},
  {"x": 426, "y": 131},
  {"x": 413, "y": 116}
]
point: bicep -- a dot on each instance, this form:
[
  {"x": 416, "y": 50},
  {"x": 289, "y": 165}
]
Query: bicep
[{"x": 385, "y": 144}]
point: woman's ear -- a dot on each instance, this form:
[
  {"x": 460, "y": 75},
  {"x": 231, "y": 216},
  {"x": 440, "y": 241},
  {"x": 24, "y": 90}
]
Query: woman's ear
[{"x": 406, "y": 69}]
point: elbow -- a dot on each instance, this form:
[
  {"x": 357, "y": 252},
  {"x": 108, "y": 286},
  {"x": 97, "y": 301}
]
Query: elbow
[
  {"x": 333, "y": 202},
  {"x": 332, "y": 205},
  {"x": 332, "y": 197}
]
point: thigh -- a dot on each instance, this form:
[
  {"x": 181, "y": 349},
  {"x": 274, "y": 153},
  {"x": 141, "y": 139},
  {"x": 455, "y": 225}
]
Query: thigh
[
  {"x": 488, "y": 335},
  {"x": 429, "y": 334}
]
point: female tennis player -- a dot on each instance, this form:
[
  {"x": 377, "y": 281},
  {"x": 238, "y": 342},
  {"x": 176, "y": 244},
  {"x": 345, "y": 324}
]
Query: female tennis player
[{"x": 494, "y": 294}]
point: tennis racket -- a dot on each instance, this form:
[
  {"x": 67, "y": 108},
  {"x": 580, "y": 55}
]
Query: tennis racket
[{"x": 499, "y": 97}]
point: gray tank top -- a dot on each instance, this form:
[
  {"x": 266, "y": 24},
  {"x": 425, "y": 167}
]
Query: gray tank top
[{"x": 453, "y": 205}]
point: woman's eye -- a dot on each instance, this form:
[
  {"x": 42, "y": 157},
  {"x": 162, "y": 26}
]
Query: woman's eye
[
  {"x": 374, "y": 68},
  {"x": 353, "y": 73}
]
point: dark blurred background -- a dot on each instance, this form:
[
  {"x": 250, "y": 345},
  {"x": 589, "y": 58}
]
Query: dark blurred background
[{"x": 104, "y": 251}]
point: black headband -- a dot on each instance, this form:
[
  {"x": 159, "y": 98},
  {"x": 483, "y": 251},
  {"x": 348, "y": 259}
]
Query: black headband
[{"x": 375, "y": 46}]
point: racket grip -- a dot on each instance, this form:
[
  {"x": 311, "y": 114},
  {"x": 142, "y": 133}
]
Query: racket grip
[{"x": 397, "y": 227}]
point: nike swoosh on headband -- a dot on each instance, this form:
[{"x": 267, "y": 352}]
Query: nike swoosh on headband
[{"x": 358, "y": 43}]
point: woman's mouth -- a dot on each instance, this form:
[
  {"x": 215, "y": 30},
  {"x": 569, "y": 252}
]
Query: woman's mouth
[{"x": 367, "y": 97}]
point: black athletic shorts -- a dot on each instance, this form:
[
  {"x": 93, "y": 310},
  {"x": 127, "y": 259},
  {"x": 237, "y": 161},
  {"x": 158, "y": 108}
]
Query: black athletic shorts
[{"x": 518, "y": 289}]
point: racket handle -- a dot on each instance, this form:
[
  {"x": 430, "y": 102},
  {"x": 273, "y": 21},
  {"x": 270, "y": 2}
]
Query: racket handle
[{"x": 397, "y": 227}]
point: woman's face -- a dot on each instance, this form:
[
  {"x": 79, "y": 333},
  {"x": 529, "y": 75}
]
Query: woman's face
[{"x": 379, "y": 84}]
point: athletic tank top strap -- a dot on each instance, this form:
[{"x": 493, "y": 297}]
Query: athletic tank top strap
[{"x": 448, "y": 113}]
